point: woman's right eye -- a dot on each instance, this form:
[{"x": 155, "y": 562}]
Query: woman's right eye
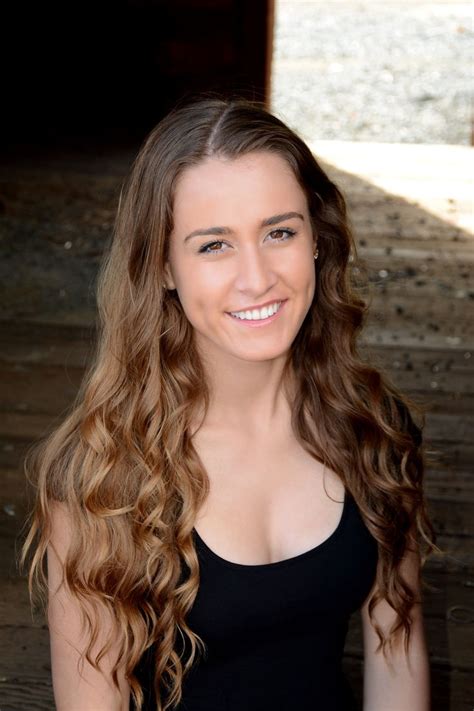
[{"x": 205, "y": 248}]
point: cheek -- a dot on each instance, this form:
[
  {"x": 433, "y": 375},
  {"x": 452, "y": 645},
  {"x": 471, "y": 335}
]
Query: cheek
[
  {"x": 300, "y": 269},
  {"x": 202, "y": 294}
]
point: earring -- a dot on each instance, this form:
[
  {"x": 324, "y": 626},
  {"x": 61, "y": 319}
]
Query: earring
[{"x": 316, "y": 253}]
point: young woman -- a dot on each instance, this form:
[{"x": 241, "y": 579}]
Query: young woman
[{"x": 234, "y": 481}]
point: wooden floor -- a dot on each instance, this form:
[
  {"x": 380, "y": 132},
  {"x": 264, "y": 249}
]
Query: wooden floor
[{"x": 411, "y": 212}]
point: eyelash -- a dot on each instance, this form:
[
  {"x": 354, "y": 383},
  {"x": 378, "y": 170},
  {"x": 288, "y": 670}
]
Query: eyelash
[{"x": 205, "y": 247}]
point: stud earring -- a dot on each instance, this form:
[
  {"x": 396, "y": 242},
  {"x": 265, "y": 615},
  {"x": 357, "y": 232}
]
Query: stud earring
[{"x": 316, "y": 253}]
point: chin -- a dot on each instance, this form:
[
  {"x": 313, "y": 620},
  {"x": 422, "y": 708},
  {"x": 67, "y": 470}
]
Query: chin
[{"x": 260, "y": 355}]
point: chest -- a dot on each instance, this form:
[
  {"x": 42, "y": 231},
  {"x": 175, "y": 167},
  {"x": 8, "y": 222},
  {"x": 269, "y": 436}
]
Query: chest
[{"x": 268, "y": 500}]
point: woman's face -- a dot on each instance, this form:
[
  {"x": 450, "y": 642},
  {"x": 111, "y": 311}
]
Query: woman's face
[{"x": 232, "y": 249}]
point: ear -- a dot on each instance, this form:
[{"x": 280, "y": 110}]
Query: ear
[{"x": 167, "y": 277}]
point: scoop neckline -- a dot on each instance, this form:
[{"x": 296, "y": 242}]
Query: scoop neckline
[{"x": 286, "y": 561}]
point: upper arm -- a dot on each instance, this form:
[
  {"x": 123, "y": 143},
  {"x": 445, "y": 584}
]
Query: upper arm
[
  {"x": 83, "y": 688},
  {"x": 406, "y": 682}
]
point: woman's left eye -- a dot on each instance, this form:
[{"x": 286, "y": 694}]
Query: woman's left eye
[{"x": 289, "y": 233}]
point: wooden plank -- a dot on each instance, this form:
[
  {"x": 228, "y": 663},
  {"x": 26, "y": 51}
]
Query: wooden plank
[
  {"x": 31, "y": 425},
  {"x": 451, "y": 455},
  {"x": 458, "y": 553},
  {"x": 398, "y": 358},
  {"x": 454, "y": 517},
  {"x": 430, "y": 336},
  {"x": 13, "y": 490},
  {"x": 15, "y": 607},
  {"x": 449, "y": 485},
  {"x": 12, "y": 452},
  {"x": 45, "y": 344},
  {"x": 41, "y": 389},
  {"x": 25, "y": 670}
]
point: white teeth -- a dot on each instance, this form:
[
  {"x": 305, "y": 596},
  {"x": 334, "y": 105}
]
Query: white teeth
[{"x": 258, "y": 314}]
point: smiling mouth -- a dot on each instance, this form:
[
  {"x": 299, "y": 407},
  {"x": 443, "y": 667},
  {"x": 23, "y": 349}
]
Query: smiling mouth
[{"x": 255, "y": 322}]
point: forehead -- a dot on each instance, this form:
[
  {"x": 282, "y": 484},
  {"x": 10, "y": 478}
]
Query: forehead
[{"x": 233, "y": 186}]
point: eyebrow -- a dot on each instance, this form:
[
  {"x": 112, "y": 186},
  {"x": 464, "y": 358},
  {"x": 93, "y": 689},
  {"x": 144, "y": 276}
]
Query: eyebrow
[{"x": 273, "y": 220}]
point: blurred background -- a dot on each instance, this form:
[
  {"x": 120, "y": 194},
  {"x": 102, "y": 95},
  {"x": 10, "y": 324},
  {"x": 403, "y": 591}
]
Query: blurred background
[{"x": 382, "y": 92}]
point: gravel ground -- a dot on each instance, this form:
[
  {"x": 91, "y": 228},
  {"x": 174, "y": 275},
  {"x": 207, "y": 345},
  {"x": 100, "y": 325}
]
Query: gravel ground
[{"x": 375, "y": 71}]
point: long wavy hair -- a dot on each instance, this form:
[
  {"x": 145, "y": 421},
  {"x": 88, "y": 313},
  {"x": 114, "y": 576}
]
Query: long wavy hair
[{"x": 123, "y": 460}]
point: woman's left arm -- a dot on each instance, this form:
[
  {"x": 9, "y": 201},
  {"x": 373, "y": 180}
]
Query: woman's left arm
[{"x": 405, "y": 684}]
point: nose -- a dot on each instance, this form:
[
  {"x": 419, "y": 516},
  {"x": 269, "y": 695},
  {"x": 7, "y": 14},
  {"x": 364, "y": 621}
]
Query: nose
[{"x": 255, "y": 273}]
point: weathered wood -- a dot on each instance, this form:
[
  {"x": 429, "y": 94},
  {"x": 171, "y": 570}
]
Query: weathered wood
[
  {"x": 458, "y": 553},
  {"x": 38, "y": 388},
  {"x": 25, "y": 669},
  {"x": 451, "y": 486},
  {"x": 30, "y": 425},
  {"x": 453, "y": 517},
  {"x": 46, "y": 344}
]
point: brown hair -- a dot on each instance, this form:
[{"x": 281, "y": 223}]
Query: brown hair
[{"x": 123, "y": 460}]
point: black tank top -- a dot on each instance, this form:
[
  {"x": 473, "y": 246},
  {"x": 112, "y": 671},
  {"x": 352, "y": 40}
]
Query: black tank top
[{"x": 275, "y": 632}]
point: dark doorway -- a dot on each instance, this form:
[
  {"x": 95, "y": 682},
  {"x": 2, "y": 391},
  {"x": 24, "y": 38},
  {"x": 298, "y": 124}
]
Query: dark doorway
[{"x": 106, "y": 72}]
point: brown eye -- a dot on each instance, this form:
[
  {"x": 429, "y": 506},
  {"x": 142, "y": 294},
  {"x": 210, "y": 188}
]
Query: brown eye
[
  {"x": 289, "y": 234},
  {"x": 205, "y": 249}
]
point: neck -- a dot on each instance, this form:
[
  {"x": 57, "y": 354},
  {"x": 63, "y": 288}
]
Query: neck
[{"x": 248, "y": 397}]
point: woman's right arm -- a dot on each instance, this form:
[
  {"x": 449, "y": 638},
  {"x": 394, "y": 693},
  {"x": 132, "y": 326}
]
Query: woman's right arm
[{"x": 75, "y": 691}]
